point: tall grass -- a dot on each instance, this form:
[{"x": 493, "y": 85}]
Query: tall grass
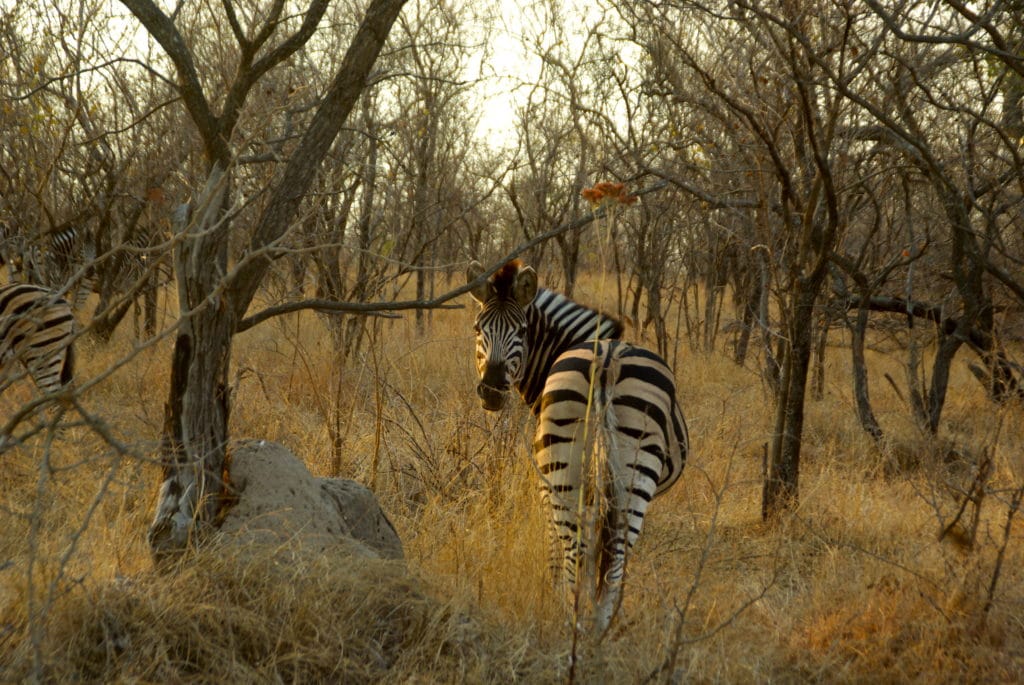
[{"x": 855, "y": 586}]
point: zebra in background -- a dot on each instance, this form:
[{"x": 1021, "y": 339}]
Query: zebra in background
[
  {"x": 61, "y": 259},
  {"x": 130, "y": 275},
  {"x": 36, "y": 330},
  {"x": 68, "y": 261},
  {"x": 12, "y": 252},
  {"x": 610, "y": 434}
]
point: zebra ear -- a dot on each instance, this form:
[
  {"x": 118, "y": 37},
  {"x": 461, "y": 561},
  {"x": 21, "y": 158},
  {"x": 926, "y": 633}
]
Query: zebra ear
[
  {"x": 525, "y": 288},
  {"x": 482, "y": 291}
]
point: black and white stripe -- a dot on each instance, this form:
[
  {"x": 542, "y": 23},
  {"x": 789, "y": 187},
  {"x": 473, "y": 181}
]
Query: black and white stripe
[
  {"x": 142, "y": 258},
  {"x": 62, "y": 260},
  {"x": 36, "y": 331},
  {"x": 68, "y": 262},
  {"x": 610, "y": 433}
]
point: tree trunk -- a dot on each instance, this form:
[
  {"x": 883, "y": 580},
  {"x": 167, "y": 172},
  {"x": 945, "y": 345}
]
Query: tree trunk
[
  {"x": 654, "y": 310},
  {"x": 150, "y": 300},
  {"x": 748, "y": 313},
  {"x": 773, "y": 370},
  {"x": 860, "y": 376},
  {"x": 110, "y": 315},
  {"x": 781, "y": 485},
  {"x": 948, "y": 346},
  {"x": 569, "y": 255},
  {"x": 711, "y": 303},
  {"x": 820, "y": 348},
  {"x": 355, "y": 327},
  {"x": 196, "y": 414}
]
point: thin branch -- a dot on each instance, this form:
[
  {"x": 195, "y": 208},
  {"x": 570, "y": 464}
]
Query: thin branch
[
  {"x": 999, "y": 48},
  {"x": 163, "y": 30},
  {"x": 436, "y": 302}
]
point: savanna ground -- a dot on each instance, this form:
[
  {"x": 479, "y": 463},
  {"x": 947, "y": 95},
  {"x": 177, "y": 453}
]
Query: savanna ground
[{"x": 854, "y": 587}]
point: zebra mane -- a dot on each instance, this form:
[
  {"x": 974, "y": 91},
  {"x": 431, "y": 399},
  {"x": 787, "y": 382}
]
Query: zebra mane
[
  {"x": 555, "y": 323},
  {"x": 504, "y": 279},
  {"x": 578, "y": 322}
]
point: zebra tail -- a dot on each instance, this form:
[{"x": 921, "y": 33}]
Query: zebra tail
[
  {"x": 609, "y": 524},
  {"x": 603, "y": 449}
]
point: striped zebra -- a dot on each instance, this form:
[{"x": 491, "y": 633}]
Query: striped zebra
[
  {"x": 610, "y": 434},
  {"x": 69, "y": 260},
  {"x": 62, "y": 258},
  {"x": 36, "y": 330},
  {"x": 132, "y": 274}
]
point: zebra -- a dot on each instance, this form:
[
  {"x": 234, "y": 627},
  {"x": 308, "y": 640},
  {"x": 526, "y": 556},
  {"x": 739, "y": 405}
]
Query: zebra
[
  {"x": 67, "y": 258},
  {"x": 131, "y": 274},
  {"x": 36, "y": 329},
  {"x": 70, "y": 259},
  {"x": 610, "y": 434},
  {"x": 62, "y": 258}
]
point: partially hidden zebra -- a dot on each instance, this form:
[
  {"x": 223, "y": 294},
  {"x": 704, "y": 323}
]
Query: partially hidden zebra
[
  {"x": 610, "y": 433},
  {"x": 60, "y": 259},
  {"x": 36, "y": 331}
]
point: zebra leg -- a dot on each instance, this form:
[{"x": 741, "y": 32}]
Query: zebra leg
[
  {"x": 49, "y": 372},
  {"x": 612, "y": 566},
  {"x": 558, "y": 453},
  {"x": 571, "y": 452}
]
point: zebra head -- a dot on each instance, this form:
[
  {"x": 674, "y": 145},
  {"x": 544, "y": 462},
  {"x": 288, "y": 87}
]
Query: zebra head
[{"x": 501, "y": 328}]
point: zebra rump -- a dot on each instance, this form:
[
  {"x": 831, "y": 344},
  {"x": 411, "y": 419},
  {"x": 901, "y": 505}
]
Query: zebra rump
[{"x": 36, "y": 330}]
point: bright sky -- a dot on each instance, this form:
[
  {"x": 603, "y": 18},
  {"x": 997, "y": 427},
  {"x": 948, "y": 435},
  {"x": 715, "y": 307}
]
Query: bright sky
[
  {"x": 507, "y": 66},
  {"x": 510, "y": 64},
  {"x": 498, "y": 79}
]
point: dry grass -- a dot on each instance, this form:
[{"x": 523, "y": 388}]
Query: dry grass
[{"x": 855, "y": 587}]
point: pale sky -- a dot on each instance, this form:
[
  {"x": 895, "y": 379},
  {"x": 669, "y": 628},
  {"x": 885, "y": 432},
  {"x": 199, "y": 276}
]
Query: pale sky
[{"x": 510, "y": 63}]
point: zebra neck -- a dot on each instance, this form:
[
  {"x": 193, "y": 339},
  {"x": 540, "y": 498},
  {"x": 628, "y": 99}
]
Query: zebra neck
[{"x": 554, "y": 324}]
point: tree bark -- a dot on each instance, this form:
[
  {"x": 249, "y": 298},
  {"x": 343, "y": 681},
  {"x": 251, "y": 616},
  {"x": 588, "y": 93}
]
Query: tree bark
[
  {"x": 198, "y": 407},
  {"x": 781, "y": 488},
  {"x": 948, "y": 346}
]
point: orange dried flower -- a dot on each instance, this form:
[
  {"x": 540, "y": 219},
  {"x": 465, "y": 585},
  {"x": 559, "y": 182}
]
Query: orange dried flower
[
  {"x": 609, "y": 188},
  {"x": 610, "y": 191}
]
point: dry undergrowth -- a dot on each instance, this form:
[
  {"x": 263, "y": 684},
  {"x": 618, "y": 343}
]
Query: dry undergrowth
[{"x": 854, "y": 587}]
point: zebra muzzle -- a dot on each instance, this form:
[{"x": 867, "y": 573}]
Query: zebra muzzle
[{"x": 492, "y": 398}]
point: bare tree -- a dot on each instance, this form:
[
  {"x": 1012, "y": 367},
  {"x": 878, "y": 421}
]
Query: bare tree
[
  {"x": 765, "y": 141},
  {"x": 213, "y": 298}
]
